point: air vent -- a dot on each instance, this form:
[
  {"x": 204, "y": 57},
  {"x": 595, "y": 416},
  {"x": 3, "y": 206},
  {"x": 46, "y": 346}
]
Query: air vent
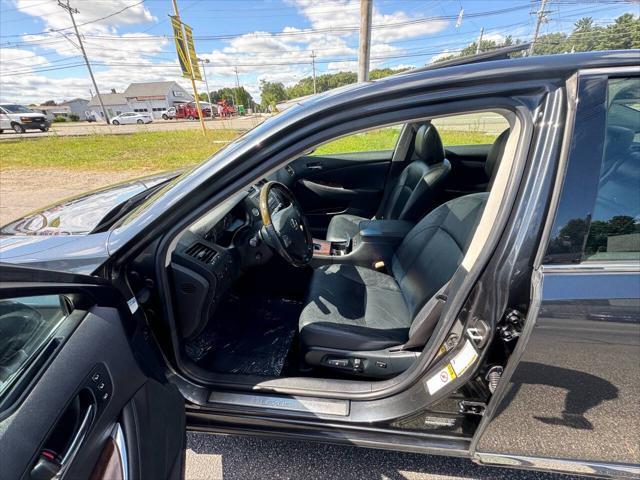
[{"x": 202, "y": 252}]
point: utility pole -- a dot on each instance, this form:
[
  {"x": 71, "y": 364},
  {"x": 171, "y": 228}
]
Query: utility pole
[
  {"x": 71, "y": 11},
  {"x": 479, "y": 41},
  {"x": 313, "y": 65},
  {"x": 176, "y": 13},
  {"x": 204, "y": 72},
  {"x": 366, "y": 12},
  {"x": 542, "y": 17},
  {"x": 237, "y": 84}
]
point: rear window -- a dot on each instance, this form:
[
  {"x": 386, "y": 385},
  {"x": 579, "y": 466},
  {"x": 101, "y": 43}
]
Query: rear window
[
  {"x": 614, "y": 231},
  {"x": 479, "y": 128}
]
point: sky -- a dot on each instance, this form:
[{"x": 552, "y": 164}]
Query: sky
[{"x": 274, "y": 40}]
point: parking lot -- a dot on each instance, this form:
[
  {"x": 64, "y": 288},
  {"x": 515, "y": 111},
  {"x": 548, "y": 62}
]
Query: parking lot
[{"x": 85, "y": 128}]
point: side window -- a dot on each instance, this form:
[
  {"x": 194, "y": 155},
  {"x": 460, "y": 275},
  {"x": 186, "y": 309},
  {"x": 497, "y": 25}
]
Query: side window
[
  {"x": 378, "y": 140},
  {"x": 614, "y": 230},
  {"x": 480, "y": 128},
  {"x": 26, "y": 325}
]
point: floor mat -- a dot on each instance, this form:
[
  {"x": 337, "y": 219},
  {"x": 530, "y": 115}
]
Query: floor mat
[{"x": 249, "y": 336}]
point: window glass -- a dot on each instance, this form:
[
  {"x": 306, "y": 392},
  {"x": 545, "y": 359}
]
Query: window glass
[
  {"x": 377, "y": 140},
  {"x": 614, "y": 230},
  {"x": 480, "y": 128},
  {"x": 26, "y": 324}
]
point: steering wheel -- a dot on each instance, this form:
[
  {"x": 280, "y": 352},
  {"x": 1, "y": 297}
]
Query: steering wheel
[{"x": 285, "y": 227}]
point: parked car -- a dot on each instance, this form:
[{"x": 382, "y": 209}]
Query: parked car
[
  {"x": 169, "y": 113},
  {"x": 20, "y": 119},
  {"x": 373, "y": 280},
  {"x": 131, "y": 117}
]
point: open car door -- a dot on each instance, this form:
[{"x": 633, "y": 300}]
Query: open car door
[{"x": 80, "y": 394}]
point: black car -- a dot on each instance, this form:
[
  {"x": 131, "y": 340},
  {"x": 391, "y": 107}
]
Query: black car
[{"x": 444, "y": 261}]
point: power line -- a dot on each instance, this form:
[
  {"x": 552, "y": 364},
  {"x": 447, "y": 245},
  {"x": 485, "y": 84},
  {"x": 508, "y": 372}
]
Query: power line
[
  {"x": 71, "y": 11},
  {"x": 300, "y": 32}
]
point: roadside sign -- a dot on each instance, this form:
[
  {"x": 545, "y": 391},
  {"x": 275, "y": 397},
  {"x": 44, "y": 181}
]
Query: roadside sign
[
  {"x": 181, "y": 48},
  {"x": 192, "y": 52}
]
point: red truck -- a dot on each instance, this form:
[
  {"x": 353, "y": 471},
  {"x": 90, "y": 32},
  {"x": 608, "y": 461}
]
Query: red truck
[{"x": 186, "y": 110}]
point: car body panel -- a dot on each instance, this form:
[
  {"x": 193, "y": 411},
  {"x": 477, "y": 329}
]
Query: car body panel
[
  {"x": 61, "y": 237},
  {"x": 573, "y": 376}
]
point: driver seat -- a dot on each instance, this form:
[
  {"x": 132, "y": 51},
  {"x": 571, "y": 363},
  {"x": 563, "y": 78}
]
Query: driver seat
[{"x": 353, "y": 315}]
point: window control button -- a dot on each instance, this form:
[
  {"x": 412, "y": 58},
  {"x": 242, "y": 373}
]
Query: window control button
[
  {"x": 101, "y": 386},
  {"x": 105, "y": 396},
  {"x": 95, "y": 377}
]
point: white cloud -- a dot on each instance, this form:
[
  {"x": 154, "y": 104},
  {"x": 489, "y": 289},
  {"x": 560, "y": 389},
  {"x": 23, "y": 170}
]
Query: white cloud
[
  {"x": 54, "y": 17},
  {"x": 254, "y": 54}
]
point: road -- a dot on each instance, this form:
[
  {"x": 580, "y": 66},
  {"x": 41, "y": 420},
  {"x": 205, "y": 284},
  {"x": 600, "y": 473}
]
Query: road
[
  {"x": 84, "y": 128},
  {"x": 212, "y": 457}
]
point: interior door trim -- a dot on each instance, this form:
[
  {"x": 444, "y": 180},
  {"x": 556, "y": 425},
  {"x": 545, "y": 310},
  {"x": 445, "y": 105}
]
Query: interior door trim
[{"x": 121, "y": 447}]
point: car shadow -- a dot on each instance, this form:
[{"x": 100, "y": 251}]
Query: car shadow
[
  {"x": 584, "y": 392},
  {"x": 237, "y": 457}
]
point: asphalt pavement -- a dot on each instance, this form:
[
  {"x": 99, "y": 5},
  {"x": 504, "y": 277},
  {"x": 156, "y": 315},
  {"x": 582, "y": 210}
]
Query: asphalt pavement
[{"x": 228, "y": 457}]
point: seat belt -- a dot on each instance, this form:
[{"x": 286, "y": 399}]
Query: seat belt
[{"x": 426, "y": 320}]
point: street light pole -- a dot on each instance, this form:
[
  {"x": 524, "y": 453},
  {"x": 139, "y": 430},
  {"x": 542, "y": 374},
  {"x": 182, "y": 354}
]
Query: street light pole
[{"x": 202, "y": 62}]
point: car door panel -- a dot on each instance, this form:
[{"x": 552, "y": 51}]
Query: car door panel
[
  {"x": 577, "y": 373},
  {"x": 77, "y": 401},
  {"x": 351, "y": 183}
]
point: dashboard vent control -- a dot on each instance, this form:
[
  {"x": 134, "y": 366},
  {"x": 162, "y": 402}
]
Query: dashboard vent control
[
  {"x": 289, "y": 170},
  {"x": 202, "y": 252}
]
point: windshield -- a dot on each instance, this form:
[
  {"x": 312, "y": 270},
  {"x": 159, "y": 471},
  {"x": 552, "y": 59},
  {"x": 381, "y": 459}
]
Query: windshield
[{"x": 16, "y": 109}]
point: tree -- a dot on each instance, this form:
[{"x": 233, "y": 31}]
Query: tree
[
  {"x": 49, "y": 103},
  {"x": 271, "y": 93},
  {"x": 586, "y": 36},
  {"x": 329, "y": 81},
  {"x": 235, "y": 96}
]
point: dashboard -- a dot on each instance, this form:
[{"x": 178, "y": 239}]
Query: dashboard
[{"x": 212, "y": 253}]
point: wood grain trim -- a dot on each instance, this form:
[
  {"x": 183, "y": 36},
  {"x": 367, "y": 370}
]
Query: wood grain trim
[{"x": 108, "y": 466}]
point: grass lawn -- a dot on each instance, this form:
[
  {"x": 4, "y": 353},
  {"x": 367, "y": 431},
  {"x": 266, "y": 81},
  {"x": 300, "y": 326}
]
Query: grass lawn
[
  {"x": 156, "y": 151},
  {"x": 138, "y": 151},
  {"x": 385, "y": 139}
]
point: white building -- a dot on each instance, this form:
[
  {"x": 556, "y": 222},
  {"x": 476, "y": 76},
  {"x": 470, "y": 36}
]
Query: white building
[
  {"x": 152, "y": 97},
  {"x": 114, "y": 103},
  {"x": 77, "y": 106}
]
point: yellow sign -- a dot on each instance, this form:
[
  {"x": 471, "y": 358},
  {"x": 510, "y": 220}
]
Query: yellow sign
[
  {"x": 181, "y": 48},
  {"x": 192, "y": 52}
]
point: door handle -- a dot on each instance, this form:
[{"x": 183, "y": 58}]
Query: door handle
[
  {"x": 77, "y": 441},
  {"x": 314, "y": 166}
]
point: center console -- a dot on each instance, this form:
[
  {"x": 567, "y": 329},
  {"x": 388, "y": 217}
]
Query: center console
[{"x": 374, "y": 243}]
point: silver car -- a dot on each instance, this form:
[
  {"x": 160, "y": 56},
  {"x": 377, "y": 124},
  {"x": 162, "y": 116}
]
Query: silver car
[{"x": 131, "y": 117}]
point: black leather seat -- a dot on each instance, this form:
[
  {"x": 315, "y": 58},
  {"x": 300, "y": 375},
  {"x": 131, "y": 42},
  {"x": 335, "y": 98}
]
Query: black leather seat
[
  {"x": 356, "y": 309},
  {"x": 410, "y": 197}
]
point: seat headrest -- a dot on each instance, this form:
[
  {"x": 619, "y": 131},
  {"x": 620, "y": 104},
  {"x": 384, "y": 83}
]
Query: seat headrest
[
  {"x": 495, "y": 154},
  {"x": 428, "y": 145}
]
